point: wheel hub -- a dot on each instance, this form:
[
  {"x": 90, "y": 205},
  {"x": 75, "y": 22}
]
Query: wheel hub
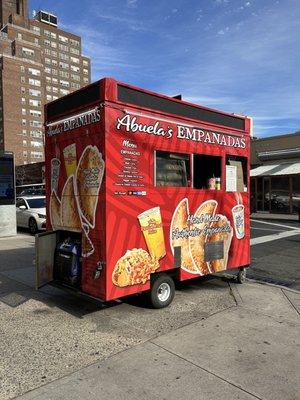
[{"x": 163, "y": 292}]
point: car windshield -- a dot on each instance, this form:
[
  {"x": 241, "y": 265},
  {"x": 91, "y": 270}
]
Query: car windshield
[{"x": 37, "y": 203}]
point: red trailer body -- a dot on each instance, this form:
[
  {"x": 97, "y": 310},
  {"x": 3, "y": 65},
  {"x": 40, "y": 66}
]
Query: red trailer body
[{"x": 148, "y": 184}]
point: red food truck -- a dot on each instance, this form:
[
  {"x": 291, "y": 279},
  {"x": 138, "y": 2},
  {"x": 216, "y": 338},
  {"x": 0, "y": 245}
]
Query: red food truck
[{"x": 142, "y": 190}]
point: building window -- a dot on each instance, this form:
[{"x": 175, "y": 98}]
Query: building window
[
  {"x": 22, "y": 68},
  {"x": 35, "y": 93},
  {"x": 36, "y": 134},
  {"x": 85, "y": 80},
  {"x": 23, "y": 111},
  {"x": 85, "y": 63},
  {"x": 48, "y": 70},
  {"x": 74, "y": 60},
  {"x": 54, "y": 62},
  {"x": 64, "y": 83},
  {"x": 53, "y": 35},
  {"x": 64, "y": 57},
  {"x": 75, "y": 85},
  {"x": 27, "y": 52},
  {"x": 54, "y": 97},
  {"x": 35, "y": 113},
  {"x": 23, "y": 90},
  {"x": 64, "y": 91},
  {"x": 23, "y": 100},
  {"x": 35, "y": 103},
  {"x": 75, "y": 77},
  {"x": 36, "y": 154},
  {"x": 54, "y": 71},
  {"x": 63, "y": 47},
  {"x": 48, "y": 79},
  {"x": 74, "y": 51},
  {"x": 74, "y": 68},
  {"x": 47, "y": 51},
  {"x": 47, "y": 61},
  {"x": 24, "y": 122},
  {"x": 63, "y": 39},
  {"x": 35, "y": 143},
  {"x": 33, "y": 71},
  {"x": 23, "y": 79},
  {"x": 64, "y": 74},
  {"x": 46, "y": 33},
  {"x": 49, "y": 88},
  {"x": 48, "y": 97},
  {"x": 34, "y": 82},
  {"x": 55, "y": 81},
  {"x": 24, "y": 132},
  {"x": 53, "y": 45},
  {"x": 25, "y": 143},
  {"x": 47, "y": 42},
  {"x": 36, "y": 29},
  {"x": 36, "y": 41},
  {"x": 75, "y": 43},
  {"x": 35, "y": 124},
  {"x": 85, "y": 71},
  {"x": 54, "y": 53},
  {"x": 55, "y": 90},
  {"x": 64, "y": 65},
  {"x": 24, "y": 153},
  {"x": 20, "y": 36}
]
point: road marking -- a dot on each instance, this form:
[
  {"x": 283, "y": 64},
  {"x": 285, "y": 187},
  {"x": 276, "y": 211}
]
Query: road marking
[
  {"x": 272, "y": 223},
  {"x": 276, "y": 236},
  {"x": 267, "y": 229}
]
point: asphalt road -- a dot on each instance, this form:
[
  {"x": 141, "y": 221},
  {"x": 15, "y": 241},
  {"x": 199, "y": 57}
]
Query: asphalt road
[{"x": 275, "y": 252}]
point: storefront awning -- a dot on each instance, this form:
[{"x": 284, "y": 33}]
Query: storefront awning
[{"x": 276, "y": 169}]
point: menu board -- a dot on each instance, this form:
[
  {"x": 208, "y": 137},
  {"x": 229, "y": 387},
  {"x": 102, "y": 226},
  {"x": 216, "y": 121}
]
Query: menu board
[
  {"x": 231, "y": 178},
  {"x": 130, "y": 175}
]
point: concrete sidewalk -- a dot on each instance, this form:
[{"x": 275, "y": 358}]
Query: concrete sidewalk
[{"x": 248, "y": 351}]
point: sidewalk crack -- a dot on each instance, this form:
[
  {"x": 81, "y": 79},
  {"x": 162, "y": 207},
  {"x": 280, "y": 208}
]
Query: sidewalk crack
[
  {"x": 208, "y": 371},
  {"x": 285, "y": 295}
]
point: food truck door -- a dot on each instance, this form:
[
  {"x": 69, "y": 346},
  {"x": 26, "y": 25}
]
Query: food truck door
[{"x": 45, "y": 244}]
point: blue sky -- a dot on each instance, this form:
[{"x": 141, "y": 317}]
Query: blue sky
[{"x": 239, "y": 56}]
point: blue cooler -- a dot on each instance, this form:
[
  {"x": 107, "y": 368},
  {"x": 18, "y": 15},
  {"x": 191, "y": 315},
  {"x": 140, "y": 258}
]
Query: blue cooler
[{"x": 67, "y": 266}]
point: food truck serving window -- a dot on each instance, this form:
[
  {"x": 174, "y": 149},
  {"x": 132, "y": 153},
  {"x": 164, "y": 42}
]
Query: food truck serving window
[
  {"x": 172, "y": 169},
  {"x": 207, "y": 172}
]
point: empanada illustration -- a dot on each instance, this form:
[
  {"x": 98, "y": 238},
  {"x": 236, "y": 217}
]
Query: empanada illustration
[
  {"x": 134, "y": 268},
  {"x": 179, "y": 236},
  {"x": 203, "y": 214},
  {"x": 69, "y": 211},
  {"x": 55, "y": 211},
  {"x": 89, "y": 175},
  {"x": 225, "y": 235},
  {"x": 87, "y": 247}
]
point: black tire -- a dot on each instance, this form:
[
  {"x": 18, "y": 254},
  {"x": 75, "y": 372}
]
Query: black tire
[
  {"x": 241, "y": 276},
  {"x": 32, "y": 225},
  {"x": 162, "y": 291}
]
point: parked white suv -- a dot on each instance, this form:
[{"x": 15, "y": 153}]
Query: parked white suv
[{"x": 31, "y": 213}]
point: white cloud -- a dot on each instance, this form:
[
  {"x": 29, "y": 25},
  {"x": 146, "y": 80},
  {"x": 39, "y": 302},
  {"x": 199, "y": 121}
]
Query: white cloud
[{"x": 131, "y": 3}]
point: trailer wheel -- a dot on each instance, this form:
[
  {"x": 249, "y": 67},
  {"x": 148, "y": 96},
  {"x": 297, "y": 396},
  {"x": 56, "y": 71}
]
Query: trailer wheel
[
  {"x": 241, "y": 276},
  {"x": 162, "y": 291}
]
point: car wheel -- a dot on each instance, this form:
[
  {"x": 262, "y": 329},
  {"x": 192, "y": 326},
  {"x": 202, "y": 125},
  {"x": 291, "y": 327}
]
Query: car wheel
[
  {"x": 162, "y": 291},
  {"x": 33, "y": 228}
]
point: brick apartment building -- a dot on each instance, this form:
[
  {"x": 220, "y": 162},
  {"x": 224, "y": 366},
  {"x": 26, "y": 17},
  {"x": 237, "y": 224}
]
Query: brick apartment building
[{"x": 38, "y": 63}]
